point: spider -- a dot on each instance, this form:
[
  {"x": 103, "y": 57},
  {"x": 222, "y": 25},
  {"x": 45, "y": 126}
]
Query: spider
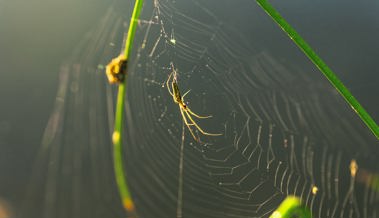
[{"x": 184, "y": 110}]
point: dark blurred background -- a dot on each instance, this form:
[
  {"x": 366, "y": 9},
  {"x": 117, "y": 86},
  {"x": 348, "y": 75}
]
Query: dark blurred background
[{"x": 37, "y": 35}]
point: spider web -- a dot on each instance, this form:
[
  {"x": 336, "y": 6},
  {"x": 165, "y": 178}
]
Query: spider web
[{"x": 285, "y": 129}]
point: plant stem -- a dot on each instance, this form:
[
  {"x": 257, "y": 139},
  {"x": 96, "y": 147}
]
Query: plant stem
[
  {"x": 132, "y": 27},
  {"x": 328, "y": 73},
  {"x": 291, "y": 207},
  {"x": 117, "y": 136}
]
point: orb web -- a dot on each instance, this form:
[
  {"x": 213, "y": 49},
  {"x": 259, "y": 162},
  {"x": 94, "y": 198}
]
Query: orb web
[{"x": 285, "y": 131}]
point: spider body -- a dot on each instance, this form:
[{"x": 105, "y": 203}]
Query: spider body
[
  {"x": 176, "y": 93},
  {"x": 184, "y": 110}
]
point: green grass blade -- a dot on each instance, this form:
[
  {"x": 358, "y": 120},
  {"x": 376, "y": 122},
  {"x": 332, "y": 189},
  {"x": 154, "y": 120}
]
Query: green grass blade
[
  {"x": 328, "y": 73},
  {"x": 291, "y": 207},
  {"x": 117, "y": 136},
  {"x": 132, "y": 27}
]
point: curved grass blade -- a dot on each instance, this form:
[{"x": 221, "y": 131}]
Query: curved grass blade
[
  {"x": 291, "y": 207},
  {"x": 328, "y": 73},
  {"x": 117, "y": 136}
]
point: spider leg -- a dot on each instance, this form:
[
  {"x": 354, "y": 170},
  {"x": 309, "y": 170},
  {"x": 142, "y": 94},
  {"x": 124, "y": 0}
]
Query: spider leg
[
  {"x": 167, "y": 85},
  {"x": 189, "y": 125},
  {"x": 189, "y": 110},
  {"x": 197, "y": 126},
  {"x": 185, "y": 94},
  {"x": 173, "y": 71},
  {"x": 185, "y": 118},
  {"x": 198, "y": 116}
]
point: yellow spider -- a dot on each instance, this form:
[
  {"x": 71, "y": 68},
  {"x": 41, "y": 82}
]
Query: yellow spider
[{"x": 184, "y": 110}]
